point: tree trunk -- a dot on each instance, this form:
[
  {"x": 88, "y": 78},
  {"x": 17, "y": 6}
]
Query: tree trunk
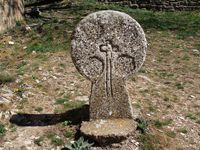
[{"x": 10, "y": 12}]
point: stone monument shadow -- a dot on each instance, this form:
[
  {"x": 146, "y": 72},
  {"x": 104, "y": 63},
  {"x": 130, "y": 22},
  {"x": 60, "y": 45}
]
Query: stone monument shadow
[{"x": 76, "y": 116}]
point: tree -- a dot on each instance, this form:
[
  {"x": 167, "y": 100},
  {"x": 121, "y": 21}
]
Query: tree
[{"x": 10, "y": 12}]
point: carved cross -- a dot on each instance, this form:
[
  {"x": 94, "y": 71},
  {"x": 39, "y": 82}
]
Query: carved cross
[{"x": 107, "y": 48}]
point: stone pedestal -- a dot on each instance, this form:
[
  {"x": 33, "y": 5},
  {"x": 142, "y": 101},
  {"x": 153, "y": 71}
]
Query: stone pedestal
[{"x": 109, "y": 131}]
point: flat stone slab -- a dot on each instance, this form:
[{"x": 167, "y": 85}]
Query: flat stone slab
[{"x": 109, "y": 131}]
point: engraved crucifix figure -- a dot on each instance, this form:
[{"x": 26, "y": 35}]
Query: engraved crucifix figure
[{"x": 107, "y": 48}]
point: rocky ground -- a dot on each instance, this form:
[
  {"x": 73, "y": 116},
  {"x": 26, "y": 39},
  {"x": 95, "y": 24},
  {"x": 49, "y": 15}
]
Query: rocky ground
[{"x": 40, "y": 88}]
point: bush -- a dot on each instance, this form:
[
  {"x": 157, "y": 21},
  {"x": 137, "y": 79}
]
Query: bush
[
  {"x": 2, "y": 130},
  {"x": 5, "y": 77},
  {"x": 80, "y": 145}
]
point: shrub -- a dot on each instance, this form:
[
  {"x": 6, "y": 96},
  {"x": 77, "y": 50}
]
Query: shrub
[
  {"x": 2, "y": 130},
  {"x": 80, "y": 145}
]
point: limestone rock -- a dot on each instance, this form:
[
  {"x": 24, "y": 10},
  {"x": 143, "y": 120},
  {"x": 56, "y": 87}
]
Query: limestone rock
[{"x": 109, "y": 131}]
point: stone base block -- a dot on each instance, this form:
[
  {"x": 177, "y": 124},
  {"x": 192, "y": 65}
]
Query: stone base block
[{"x": 109, "y": 131}]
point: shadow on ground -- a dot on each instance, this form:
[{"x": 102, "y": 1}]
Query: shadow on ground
[{"x": 76, "y": 116}]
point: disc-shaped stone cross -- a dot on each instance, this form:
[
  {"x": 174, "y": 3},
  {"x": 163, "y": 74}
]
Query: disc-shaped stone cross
[{"x": 108, "y": 47}]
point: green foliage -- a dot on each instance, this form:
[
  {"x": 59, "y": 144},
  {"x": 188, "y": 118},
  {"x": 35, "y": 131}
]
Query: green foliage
[
  {"x": 171, "y": 134},
  {"x": 69, "y": 134},
  {"x": 160, "y": 123},
  {"x": 3, "y": 65},
  {"x": 5, "y": 78},
  {"x": 57, "y": 141},
  {"x": 49, "y": 37},
  {"x": 22, "y": 64},
  {"x": 179, "y": 86},
  {"x": 198, "y": 46},
  {"x": 192, "y": 116},
  {"x": 142, "y": 125},
  {"x": 38, "y": 141},
  {"x": 18, "y": 23},
  {"x": 38, "y": 109},
  {"x": 20, "y": 90},
  {"x": 60, "y": 101},
  {"x": 198, "y": 121},
  {"x": 43, "y": 47},
  {"x": 81, "y": 144},
  {"x": 2, "y": 130},
  {"x": 67, "y": 122},
  {"x": 73, "y": 104},
  {"x": 166, "y": 99},
  {"x": 67, "y": 105},
  {"x": 182, "y": 130},
  {"x": 54, "y": 35},
  {"x": 148, "y": 141},
  {"x": 13, "y": 127},
  {"x": 185, "y": 24}
]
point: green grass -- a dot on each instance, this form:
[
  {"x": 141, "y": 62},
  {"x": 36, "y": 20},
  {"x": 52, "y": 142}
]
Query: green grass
[
  {"x": 2, "y": 130},
  {"x": 53, "y": 35},
  {"x": 19, "y": 91},
  {"x": 80, "y": 144},
  {"x": 142, "y": 125},
  {"x": 191, "y": 116},
  {"x": 179, "y": 86},
  {"x": 182, "y": 130},
  {"x": 6, "y": 77},
  {"x": 183, "y": 23},
  {"x": 3, "y": 65},
  {"x": 160, "y": 123},
  {"x": 171, "y": 134},
  {"x": 38, "y": 109},
  {"x": 55, "y": 140},
  {"x": 73, "y": 104},
  {"x": 22, "y": 64},
  {"x": 13, "y": 127},
  {"x": 66, "y": 123},
  {"x": 194, "y": 116},
  {"x": 152, "y": 108},
  {"x": 61, "y": 101},
  {"x": 164, "y": 74},
  {"x": 69, "y": 134},
  {"x": 166, "y": 99},
  {"x": 147, "y": 141},
  {"x": 38, "y": 141},
  {"x": 198, "y": 46},
  {"x": 68, "y": 105},
  {"x": 44, "y": 47},
  {"x": 198, "y": 121},
  {"x": 49, "y": 38}
]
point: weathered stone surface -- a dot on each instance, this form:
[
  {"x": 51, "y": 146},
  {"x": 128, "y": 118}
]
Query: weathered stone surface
[
  {"x": 109, "y": 131},
  {"x": 159, "y": 4},
  {"x": 108, "y": 47},
  {"x": 6, "y": 95}
]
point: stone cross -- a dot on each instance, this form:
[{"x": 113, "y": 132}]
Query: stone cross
[{"x": 107, "y": 47}]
